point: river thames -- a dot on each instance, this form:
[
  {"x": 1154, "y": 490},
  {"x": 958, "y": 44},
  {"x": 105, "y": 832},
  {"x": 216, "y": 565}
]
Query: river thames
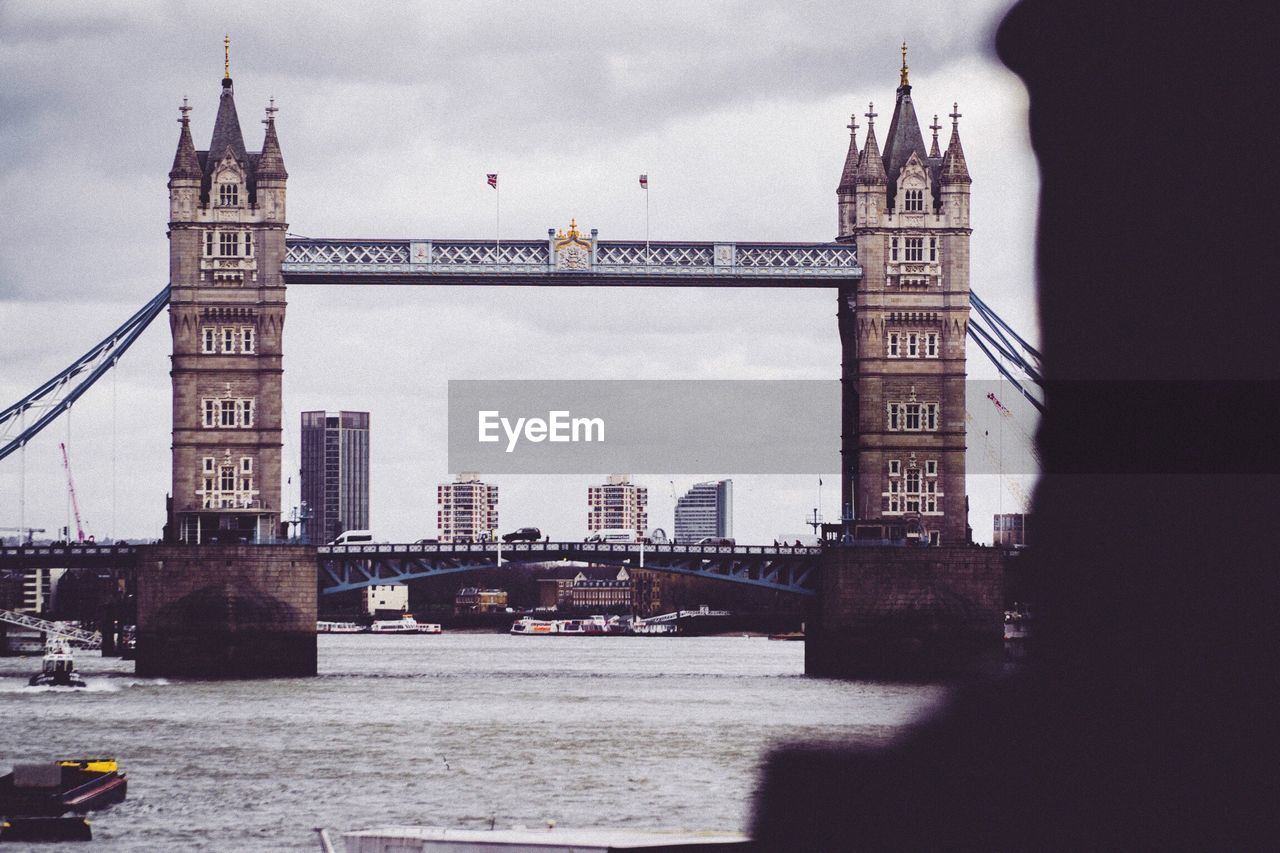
[{"x": 459, "y": 730}]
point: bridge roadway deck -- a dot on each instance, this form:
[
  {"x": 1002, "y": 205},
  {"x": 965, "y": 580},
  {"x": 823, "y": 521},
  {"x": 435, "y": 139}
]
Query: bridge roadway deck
[
  {"x": 347, "y": 567},
  {"x": 537, "y": 262}
]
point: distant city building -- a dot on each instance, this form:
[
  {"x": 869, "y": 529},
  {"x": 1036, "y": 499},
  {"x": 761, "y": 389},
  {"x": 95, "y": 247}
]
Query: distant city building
[
  {"x": 618, "y": 505},
  {"x": 602, "y": 596},
  {"x": 466, "y": 509},
  {"x": 1010, "y": 530},
  {"x": 335, "y": 474},
  {"x": 32, "y": 591},
  {"x": 583, "y": 594},
  {"x": 386, "y": 597},
  {"x": 471, "y": 599},
  {"x": 705, "y": 510}
]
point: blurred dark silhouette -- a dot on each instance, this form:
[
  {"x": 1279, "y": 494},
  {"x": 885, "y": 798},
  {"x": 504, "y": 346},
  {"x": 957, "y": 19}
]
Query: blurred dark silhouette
[{"x": 1147, "y": 720}]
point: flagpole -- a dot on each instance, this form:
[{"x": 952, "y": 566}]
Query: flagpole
[
  {"x": 497, "y": 220},
  {"x": 648, "y": 256}
]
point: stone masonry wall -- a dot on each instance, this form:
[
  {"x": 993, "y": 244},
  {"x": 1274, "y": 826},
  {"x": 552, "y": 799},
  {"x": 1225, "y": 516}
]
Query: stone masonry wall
[
  {"x": 227, "y": 611},
  {"x": 894, "y": 612}
]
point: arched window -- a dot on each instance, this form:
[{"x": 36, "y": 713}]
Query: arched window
[
  {"x": 228, "y": 195},
  {"x": 914, "y": 202}
]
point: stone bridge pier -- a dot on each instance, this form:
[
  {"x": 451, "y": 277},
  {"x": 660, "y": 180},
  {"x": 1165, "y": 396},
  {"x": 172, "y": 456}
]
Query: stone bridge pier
[
  {"x": 907, "y": 613},
  {"x": 226, "y": 611}
]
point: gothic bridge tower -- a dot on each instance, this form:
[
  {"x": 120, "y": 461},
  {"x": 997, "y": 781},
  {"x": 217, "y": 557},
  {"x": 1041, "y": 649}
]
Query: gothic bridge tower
[
  {"x": 903, "y": 329},
  {"x": 226, "y": 313}
]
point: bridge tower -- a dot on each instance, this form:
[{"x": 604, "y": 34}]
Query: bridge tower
[
  {"x": 226, "y": 313},
  {"x": 902, "y": 329}
]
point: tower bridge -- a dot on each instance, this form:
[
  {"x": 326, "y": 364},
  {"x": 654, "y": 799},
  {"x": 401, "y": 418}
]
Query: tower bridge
[{"x": 899, "y": 269}]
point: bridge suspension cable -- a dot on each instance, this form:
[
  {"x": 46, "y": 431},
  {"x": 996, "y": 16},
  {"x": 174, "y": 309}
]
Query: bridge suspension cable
[
  {"x": 1006, "y": 349},
  {"x": 59, "y": 393}
]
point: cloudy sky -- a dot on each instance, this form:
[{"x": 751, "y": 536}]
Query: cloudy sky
[{"x": 390, "y": 116}]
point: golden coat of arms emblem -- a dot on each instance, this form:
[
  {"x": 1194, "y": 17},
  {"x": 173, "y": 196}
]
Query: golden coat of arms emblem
[{"x": 572, "y": 250}]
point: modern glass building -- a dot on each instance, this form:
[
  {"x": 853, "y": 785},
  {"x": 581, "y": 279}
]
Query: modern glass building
[
  {"x": 705, "y": 510},
  {"x": 335, "y": 474}
]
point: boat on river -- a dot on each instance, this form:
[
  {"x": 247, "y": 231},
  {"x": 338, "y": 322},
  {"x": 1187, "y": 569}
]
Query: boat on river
[
  {"x": 58, "y": 669},
  {"x": 55, "y": 788},
  {"x": 404, "y": 625},
  {"x": 324, "y": 627},
  {"x": 588, "y": 626}
]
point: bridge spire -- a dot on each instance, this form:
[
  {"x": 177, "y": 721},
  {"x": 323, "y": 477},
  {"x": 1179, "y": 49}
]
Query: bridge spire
[
  {"x": 871, "y": 166},
  {"x": 271, "y": 163},
  {"x": 186, "y": 165},
  {"x": 849, "y": 175},
  {"x": 226, "y": 127},
  {"x": 904, "y": 137},
  {"x": 954, "y": 168}
]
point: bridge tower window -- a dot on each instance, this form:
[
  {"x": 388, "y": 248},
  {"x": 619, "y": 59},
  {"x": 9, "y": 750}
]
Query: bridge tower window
[
  {"x": 208, "y": 243},
  {"x": 931, "y": 345},
  {"x": 228, "y": 194},
  {"x": 228, "y": 339},
  {"x": 933, "y": 248},
  {"x": 893, "y": 248},
  {"x": 228, "y": 244},
  {"x": 914, "y": 201},
  {"x": 894, "y": 345},
  {"x": 208, "y": 340},
  {"x": 246, "y": 339},
  {"x": 915, "y": 249}
]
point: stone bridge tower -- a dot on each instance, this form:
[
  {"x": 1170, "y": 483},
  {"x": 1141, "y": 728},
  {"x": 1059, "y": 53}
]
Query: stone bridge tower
[
  {"x": 903, "y": 329},
  {"x": 226, "y": 312}
]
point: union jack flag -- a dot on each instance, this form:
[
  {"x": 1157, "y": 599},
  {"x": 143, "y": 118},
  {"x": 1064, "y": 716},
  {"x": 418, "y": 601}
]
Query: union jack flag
[
  {"x": 493, "y": 179},
  {"x": 644, "y": 182}
]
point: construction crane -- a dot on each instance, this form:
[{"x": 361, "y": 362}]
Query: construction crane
[
  {"x": 71, "y": 490},
  {"x": 29, "y": 531}
]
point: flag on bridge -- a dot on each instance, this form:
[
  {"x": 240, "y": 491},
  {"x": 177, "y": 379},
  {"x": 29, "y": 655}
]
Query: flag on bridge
[
  {"x": 644, "y": 182},
  {"x": 493, "y": 179}
]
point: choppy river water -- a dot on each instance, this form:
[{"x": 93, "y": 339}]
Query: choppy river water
[{"x": 460, "y": 730}]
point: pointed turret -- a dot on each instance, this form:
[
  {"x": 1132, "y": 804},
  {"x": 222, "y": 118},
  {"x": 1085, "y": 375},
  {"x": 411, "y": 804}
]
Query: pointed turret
[
  {"x": 226, "y": 130},
  {"x": 271, "y": 161},
  {"x": 954, "y": 168},
  {"x": 934, "y": 154},
  {"x": 904, "y": 135},
  {"x": 186, "y": 165},
  {"x": 849, "y": 176},
  {"x": 870, "y": 165}
]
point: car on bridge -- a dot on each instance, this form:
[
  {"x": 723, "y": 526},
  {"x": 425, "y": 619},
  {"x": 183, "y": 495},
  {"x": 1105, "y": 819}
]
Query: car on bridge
[
  {"x": 716, "y": 540},
  {"x": 524, "y": 534}
]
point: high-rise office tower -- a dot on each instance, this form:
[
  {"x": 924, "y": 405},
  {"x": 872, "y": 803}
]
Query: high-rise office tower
[
  {"x": 335, "y": 474},
  {"x": 705, "y": 510}
]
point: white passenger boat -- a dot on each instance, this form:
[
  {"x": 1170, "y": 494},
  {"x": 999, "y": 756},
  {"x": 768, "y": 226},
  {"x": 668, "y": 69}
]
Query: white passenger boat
[
  {"x": 404, "y": 625},
  {"x": 534, "y": 626},
  {"x": 339, "y": 628}
]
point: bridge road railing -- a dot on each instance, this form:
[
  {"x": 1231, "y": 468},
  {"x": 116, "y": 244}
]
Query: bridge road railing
[
  {"x": 75, "y": 556},
  {"x": 784, "y": 568}
]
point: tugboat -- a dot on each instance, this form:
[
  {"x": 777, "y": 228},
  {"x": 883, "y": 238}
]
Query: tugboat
[{"x": 58, "y": 669}]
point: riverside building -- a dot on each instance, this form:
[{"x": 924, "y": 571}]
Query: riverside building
[
  {"x": 467, "y": 509},
  {"x": 619, "y": 504}
]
